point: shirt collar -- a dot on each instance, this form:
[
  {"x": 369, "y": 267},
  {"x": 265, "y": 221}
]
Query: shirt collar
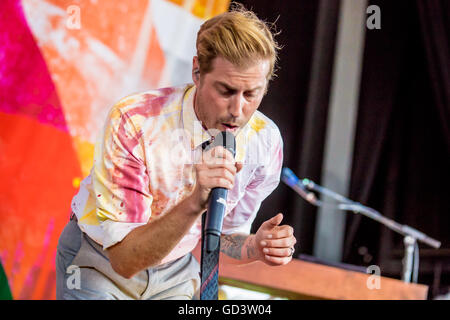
[{"x": 190, "y": 121}]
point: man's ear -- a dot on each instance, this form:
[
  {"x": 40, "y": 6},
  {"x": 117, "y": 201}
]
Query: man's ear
[{"x": 195, "y": 71}]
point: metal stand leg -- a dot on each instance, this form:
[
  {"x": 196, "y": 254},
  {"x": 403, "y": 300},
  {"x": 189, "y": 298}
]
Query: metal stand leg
[{"x": 408, "y": 259}]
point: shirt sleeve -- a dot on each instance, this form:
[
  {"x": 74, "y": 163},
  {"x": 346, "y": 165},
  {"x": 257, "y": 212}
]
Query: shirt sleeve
[
  {"x": 265, "y": 179},
  {"x": 120, "y": 180}
]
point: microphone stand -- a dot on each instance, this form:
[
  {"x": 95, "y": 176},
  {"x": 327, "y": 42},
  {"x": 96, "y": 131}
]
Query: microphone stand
[{"x": 411, "y": 236}]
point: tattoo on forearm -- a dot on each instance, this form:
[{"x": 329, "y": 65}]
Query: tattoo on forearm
[
  {"x": 251, "y": 252},
  {"x": 232, "y": 244}
]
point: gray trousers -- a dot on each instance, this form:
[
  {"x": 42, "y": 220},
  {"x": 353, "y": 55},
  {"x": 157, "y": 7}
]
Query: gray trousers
[{"x": 83, "y": 271}]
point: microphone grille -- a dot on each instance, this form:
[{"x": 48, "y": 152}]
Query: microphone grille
[{"x": 225, "y": 139}]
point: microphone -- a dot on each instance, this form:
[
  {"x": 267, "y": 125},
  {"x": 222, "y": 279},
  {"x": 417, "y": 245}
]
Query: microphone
[
  {"x": 289, "y": 177},
  {"x": 218, "y": 198}
]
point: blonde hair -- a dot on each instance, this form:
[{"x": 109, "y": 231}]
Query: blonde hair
[{"x": 239, "y": 36}]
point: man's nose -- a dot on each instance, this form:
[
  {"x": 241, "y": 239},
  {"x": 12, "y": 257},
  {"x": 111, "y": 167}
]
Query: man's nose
[{"x": 236, "y": 105}]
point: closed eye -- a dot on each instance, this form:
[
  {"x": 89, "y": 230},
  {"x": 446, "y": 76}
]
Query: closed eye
[
  {"x": 227, "y": 92},
  {"x": 250, "y": 94}
]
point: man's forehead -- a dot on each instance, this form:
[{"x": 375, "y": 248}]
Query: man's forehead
[{"x": 225, "y": 73}]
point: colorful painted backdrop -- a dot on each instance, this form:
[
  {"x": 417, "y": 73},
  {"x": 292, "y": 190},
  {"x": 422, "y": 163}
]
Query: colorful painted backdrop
[{"x": 63, "y": 63}]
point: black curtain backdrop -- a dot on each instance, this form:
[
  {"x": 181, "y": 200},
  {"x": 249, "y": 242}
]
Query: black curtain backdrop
[
  {"x": 402, "y": 141},
  {"x": 401, "y": 155}
]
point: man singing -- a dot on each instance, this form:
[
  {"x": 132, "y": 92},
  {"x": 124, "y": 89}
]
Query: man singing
[{"x": 137, "y": 216}]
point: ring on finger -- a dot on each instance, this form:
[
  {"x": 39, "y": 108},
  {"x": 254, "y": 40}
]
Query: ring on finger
[{"x": 292, "y": 251}]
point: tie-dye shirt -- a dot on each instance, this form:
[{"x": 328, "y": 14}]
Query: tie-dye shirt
[{"x": 144, "y": 166}]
